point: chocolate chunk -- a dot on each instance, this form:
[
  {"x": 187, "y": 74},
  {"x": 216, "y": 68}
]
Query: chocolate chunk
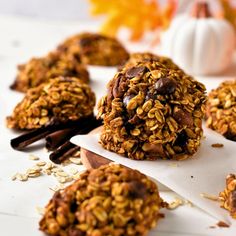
[
  {"x": 57, "y": 198},
  {"x": 115, "y": 90},
  {"x": 127, "y": 98},
  {"x": 150, "y": 95},
  {"x": 109, "y": 94},
  {"x": 137, "y": 189},
  {"x": 233, "y": 200},
  {"x": 85, "y": 42},
  {"x": 75, "y": 232},
  {"x": 120, "y": 86},
  {"x": 182, "y": 139},
  {"x": 134, "y": 71},
  {"x": 135, "y": 120},
  {"x": 165, "y": 86},
  {"x": 183, "y": 117},
  {"x": 154, "y": 150},
  {"x": 73, "y": 206},
  {"x": 128, "y": 126}
]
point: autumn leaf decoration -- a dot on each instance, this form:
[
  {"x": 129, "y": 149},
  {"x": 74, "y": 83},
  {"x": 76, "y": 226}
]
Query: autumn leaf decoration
[
  {"x": 229, "y": 11},
  {"x": 139, "y": 16}
]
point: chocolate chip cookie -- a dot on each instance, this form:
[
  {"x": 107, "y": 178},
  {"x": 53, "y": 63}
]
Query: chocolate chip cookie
[
  {"x": 95, "y": 49},
  {"x": 151, "y": 111},
  {"x": 60, "y": 99},
  {"x": 228, "y": 196},
  {"x": 110, "y": 200},
  {"x": 40, "y": 70},
  {"x": 147, "y": 56},
  {"x": 221, "y": 109}
]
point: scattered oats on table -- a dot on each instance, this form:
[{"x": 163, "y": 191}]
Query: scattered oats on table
[
  {"x": 173, "y": 165},
  {"x": 33, "y": 157},
  {"x": 152, "y": 111},
  {"x": 75, "y": 160},
  {"x": 43, "y": 168},
  {"x": 95, "y": 49},
  {"x": 221, "y": 109},
  {"x": 62, "y": 99},
  {"x": 175, "y": 204},
  {"x": 209, "y": 196},
  {"x": 187, "y": 202},
  {"x": 41, "y": 163},
  {"x": 110, "y": 200},
  {"x": 40, "y": 70}
]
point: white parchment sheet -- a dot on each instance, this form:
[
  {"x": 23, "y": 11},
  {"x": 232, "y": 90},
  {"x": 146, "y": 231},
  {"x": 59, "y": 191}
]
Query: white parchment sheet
[{"x": 205, "y": 172}]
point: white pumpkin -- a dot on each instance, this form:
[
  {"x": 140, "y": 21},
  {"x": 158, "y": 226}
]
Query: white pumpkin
[{"x": 201, "y": 45}]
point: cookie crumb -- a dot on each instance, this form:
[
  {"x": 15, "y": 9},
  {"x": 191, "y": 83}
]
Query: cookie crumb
[
  {"x": 209, "y": 196},
  {"x": 14, "y": 177},
  {"x": 161, "y": 215},
  {"x": 217, "y": 145},
  {"x": 40, "y": 210},
  {"x": 187, "y": 202},
  {"x": 33, "y": 157},
  {"x": 222, "y": 224},
  {"x": 173, "y": 165},
  {"x": 176, "y": 203}
]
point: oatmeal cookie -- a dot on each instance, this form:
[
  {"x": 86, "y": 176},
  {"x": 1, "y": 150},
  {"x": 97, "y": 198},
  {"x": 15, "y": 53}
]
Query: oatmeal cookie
[
  {"x": 95, "y": 49},
  {"x": 221, "y": 109},
  {"x": 111, "y": 200},
  {"x": 147, "y": 56},
  {"x": 40, "y": 70},
  {"x": 151, "y": 111},
  {"x": 228, "y": 196},
  {"x": 60, "y": 99}
]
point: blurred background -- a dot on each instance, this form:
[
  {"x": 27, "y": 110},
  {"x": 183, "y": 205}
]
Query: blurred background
[
  {"x": 47, "y": 9},
  {"x": 61, "y": 9},
  {"x": 137, "y": 23}
]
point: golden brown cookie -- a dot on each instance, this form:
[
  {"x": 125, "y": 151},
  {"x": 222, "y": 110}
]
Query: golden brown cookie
[
  {"x": 151, "y": 111},
  {"x": 40, "y": 70},
  {"x": 147, "y": 56},
  {"x": 228, "y": 196},
  {"x": 110, "y": 200},
  {"x": 221, "y": 109},
  {"x": 95, "y": 49},
  {"x": 61, "y": 99}
]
